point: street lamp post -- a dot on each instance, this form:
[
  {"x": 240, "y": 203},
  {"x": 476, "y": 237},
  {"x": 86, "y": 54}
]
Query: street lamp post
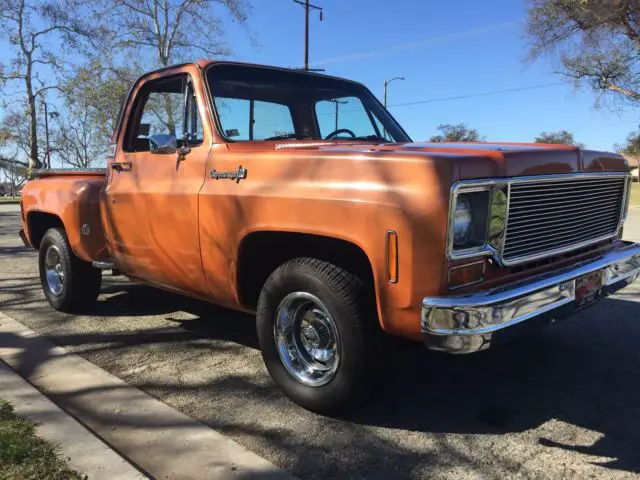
[
  {"x": 47, "y": 157},
  {"x": 386, "y": 87},
  {"x": 48, "y": 114}
]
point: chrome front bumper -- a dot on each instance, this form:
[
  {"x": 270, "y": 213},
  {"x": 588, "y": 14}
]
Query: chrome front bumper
[{"x": 469, "y": 323}]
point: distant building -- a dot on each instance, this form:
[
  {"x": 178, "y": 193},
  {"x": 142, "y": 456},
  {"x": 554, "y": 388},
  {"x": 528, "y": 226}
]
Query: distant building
[{"x": 634, "y": 166}]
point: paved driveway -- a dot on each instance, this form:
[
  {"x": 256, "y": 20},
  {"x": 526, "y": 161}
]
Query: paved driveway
[{"x": 564, "y": 403}]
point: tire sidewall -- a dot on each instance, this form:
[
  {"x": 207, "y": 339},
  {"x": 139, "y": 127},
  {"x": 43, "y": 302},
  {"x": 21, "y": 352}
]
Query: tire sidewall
[
  {"x": 348, "y": 375},
  {"x": 56, "y": 238}
]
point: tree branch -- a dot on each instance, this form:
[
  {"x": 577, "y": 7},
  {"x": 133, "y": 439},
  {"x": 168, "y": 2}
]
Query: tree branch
[{"x": 623, "y": 91}]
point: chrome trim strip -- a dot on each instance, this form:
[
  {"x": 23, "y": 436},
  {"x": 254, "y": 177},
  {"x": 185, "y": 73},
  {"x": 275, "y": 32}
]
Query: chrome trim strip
[
  {"x": 524, "y": 300},
  {"x": 496, "y": 250},
  {"x": 43, "y": 172}
]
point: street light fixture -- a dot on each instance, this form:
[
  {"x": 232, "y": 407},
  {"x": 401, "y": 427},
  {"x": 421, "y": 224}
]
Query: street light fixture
[{"x": 386, "y": 85}]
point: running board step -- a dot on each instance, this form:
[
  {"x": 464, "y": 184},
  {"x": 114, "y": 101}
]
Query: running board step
[{"x": 104, "y": 264}]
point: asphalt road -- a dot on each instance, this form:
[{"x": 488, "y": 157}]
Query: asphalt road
[{"x": 563, "y": 403}]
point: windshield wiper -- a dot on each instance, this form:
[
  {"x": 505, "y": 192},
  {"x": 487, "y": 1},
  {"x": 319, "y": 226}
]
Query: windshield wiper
[
  {"x": 376, "y": 138},
  {"x": 286, "y": 136}
]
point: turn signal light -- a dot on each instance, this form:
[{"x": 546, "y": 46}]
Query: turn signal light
[{"x": 392, "y": 257}]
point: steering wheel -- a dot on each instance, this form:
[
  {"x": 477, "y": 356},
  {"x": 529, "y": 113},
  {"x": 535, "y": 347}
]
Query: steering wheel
[{"x": 338, "y": 132}]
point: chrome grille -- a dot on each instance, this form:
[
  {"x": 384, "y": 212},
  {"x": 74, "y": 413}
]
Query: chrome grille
[{"x": 551, "y": 216}]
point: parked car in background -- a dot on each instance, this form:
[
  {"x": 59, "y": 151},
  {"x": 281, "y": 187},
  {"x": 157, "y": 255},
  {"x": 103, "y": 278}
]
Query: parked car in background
[{"x": 298, "y": 197}]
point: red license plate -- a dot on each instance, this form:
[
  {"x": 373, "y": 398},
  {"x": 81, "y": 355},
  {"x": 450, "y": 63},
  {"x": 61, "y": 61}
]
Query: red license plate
[{"x": 588, "y": 288}]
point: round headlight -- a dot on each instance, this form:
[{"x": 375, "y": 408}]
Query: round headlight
[{"x": 462, "y": 221}]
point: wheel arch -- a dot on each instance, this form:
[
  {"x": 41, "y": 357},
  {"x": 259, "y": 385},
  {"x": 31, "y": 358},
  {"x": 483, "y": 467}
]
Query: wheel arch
[
  {"x": 261, "y": 252},
  {"x": 38, "y": 223}
]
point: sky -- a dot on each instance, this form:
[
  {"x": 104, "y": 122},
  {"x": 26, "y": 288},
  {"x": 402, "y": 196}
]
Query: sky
[
  {"x": 465, "y": 49},
  {"x": 443, "y": 49}
]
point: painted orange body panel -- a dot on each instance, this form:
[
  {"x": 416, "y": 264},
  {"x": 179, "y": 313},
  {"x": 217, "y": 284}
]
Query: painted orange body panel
[
  {"x": 75, "y": 200},
  {"x": 175, "y": 227}
]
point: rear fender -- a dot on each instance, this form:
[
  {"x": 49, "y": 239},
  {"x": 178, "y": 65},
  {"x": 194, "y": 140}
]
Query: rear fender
[{"x": 72, "y": 202}]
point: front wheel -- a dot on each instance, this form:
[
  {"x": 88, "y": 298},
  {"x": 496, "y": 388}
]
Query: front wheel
[
  {"x": 69, "y": 283},
  {"x": 319, "y": 335}
]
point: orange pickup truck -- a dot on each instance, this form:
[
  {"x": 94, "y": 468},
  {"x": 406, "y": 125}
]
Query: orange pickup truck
[{"x": 298, "y": 197}]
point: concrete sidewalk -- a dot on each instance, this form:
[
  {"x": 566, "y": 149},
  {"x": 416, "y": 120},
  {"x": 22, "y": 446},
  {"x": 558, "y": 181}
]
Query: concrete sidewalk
[
  {"x": 159, "y": 440},
  {"x": 83, "y": 451}
]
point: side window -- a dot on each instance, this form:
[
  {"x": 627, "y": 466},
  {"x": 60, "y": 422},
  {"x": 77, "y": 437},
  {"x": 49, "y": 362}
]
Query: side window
[
  {"x": 344, "y": 113},
  {"x": 245, "y": 119},
  {"x": 161, "y": 110}
]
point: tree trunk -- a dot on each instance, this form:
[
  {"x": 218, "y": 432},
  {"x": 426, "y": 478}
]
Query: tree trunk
[{"x": 34, "y": 162}]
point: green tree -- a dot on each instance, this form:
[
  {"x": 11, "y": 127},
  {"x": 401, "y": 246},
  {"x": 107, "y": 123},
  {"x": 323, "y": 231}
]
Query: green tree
[
  {"x": 459, "y": 132},
  {"x": 632, "y": 145},
  {"x": 596, "y": 42},
  {"x": 561, "y": 137}
]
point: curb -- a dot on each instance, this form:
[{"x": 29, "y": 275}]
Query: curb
[
  {"x": 154, "y": 437},
  {"x": 83, "y": 451}
]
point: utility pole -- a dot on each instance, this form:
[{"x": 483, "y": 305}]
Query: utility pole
[
  {"x": 307, "y": 6},
  {"x": 338, "y": 103}
]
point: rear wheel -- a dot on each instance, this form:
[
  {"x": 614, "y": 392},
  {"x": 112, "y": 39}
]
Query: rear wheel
[
  {"x": 69, "y": 283},
  {"x": 319, "y": 335}
]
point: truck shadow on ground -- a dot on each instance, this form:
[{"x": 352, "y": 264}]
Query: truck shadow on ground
[{"x": 584, "y": 371}]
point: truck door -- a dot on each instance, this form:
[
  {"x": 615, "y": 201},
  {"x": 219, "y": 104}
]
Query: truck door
[{"x": 152, "y": 194}]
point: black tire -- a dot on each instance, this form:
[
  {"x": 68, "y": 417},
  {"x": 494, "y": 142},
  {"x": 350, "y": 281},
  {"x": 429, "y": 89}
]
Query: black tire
[
  {"x": 363, "y": 348},
  {"x": 80, "y": 285}
]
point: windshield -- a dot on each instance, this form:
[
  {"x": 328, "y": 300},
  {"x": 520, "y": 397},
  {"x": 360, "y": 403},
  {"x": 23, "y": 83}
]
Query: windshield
[{"x": 257, "y": 104}]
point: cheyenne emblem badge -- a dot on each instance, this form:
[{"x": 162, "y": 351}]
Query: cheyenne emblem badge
[{"x": 238, "y": 175}]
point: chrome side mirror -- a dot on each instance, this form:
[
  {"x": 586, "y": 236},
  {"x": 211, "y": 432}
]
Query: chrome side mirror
[{"x": 162, "y": 144}]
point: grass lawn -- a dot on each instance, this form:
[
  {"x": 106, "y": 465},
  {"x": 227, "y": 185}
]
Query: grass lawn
[
  {"x": 23, "y": 455},
  {"x": 9, "y": 199},
  {"x": 635, "y": 194}
]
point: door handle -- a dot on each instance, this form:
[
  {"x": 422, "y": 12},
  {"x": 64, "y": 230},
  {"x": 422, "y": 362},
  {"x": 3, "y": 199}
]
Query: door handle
[{"x": 121, "y": 166}]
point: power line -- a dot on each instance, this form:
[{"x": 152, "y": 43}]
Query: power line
[{"x": 482, "y": 94}]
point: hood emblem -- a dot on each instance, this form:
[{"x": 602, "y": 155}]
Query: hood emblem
[{"x": 239, "y": 174}]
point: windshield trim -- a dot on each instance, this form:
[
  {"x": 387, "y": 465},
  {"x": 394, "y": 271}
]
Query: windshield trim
[{"x": 217, "y": 125}]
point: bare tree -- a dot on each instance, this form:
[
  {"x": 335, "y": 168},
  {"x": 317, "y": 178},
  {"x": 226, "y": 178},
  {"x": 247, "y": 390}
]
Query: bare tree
[
  {"x": 171, "y": 29},
  {"x": 456, "y": 133},
  {"x": 596, "y": 41},
  {"x": 15, "y": 175},
  {"x": 93, "y": 95},
  {"x": 32, "y": 27},
  {"x": 14, "y": 136}
]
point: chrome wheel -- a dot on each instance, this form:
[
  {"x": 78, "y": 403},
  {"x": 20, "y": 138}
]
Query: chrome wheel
[
  {"x": 53, "y": 270},
  {"x": 307, "y": 339}
]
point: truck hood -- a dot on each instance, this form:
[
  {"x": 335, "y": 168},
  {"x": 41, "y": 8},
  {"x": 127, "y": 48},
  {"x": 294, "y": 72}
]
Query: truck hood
[{"x": 483, "y": 160}]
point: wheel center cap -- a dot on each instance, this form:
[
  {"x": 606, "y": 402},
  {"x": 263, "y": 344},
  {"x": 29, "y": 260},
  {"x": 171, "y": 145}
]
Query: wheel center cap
[{"x": 310, "y": 337}]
